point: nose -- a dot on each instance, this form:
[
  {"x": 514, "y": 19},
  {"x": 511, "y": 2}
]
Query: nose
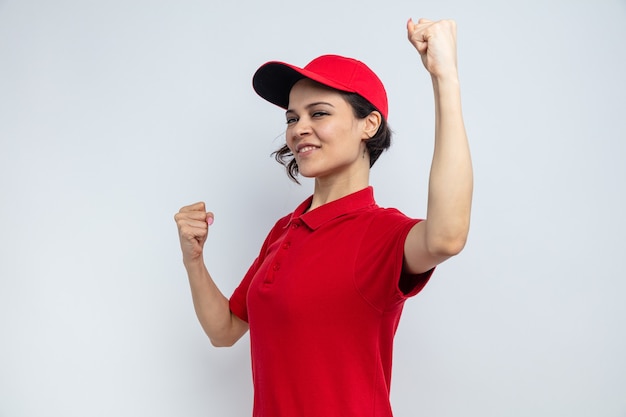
[{"x": 301, "y": 128}]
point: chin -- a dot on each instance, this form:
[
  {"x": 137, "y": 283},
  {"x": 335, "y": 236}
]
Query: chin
[{"x": 308, "y": 173}]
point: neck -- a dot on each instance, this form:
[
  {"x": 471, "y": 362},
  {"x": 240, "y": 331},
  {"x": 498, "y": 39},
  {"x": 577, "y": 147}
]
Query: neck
[{"x": 328, "y": 189}]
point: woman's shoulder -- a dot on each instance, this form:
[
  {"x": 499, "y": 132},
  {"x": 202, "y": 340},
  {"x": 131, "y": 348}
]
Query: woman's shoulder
[
  {"x": 389, "y": 221},
  {"x": 390, "y": 214}
]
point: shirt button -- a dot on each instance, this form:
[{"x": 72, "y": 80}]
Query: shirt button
[
  {"x": 286, "y": 245},
  {"x": 295, "y": 225},
  {"x": 276, "y": 267}
]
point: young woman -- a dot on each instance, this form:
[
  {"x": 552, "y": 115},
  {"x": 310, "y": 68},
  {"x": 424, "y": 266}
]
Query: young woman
[{"x": 323, "y": 299}]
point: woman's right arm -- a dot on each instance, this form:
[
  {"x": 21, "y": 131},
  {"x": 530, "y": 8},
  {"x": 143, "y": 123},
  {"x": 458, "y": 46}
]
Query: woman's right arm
[{"x": 212, "y": 308}]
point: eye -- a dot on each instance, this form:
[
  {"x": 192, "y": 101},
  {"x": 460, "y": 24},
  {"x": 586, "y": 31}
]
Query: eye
[
  {"x": 291, "y": 120},
  {"x": 320, "y": 114}
]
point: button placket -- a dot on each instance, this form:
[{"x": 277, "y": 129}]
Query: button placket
[{"x": 285, "y": 246}]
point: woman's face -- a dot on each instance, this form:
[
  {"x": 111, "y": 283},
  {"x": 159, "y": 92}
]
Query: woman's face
[{"x": 323, "y": 133}]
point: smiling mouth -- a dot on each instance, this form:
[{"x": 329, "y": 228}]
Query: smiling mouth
[{"x": 307, "y": 148}]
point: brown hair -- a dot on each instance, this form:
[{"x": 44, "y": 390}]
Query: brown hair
[{"x": 375, "y": 146}]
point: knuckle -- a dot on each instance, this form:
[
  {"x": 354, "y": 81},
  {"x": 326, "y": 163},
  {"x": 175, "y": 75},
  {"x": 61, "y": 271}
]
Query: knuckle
[
  {"x": 187, "y": 233},
  {"x": 450, "y": 23}
]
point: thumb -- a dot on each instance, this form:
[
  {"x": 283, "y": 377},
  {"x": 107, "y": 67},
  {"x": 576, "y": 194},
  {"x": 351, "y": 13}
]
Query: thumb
[
  {"x": 410, "y": 26},
  {"x": 415, "y": 33}
]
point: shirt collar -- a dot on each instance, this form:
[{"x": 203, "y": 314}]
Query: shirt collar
[{"x": 352, "y": 202}]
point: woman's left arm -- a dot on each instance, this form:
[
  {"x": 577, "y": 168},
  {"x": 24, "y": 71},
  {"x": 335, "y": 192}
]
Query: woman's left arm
[{"x": 444, "y": 231}]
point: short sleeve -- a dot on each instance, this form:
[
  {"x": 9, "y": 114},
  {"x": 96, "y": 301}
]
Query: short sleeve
[
  {"x": 238, "y": 301},
  {"x": 380, "y": 273}
]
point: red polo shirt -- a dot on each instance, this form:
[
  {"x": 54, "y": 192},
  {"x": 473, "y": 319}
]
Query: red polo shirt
[{"x": 323, "y": 301}]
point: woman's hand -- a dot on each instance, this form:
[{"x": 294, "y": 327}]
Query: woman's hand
[
  {"x": 212, "y": 308},
  {"x": 436, "y": 44},
  {"x": 193, "y": 228}
]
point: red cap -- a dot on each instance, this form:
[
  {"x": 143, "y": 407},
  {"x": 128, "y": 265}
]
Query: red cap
[{"x": 273, "y": 80}]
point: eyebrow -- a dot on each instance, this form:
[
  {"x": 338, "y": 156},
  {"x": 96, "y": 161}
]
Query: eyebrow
[{"x": 308, "y": 106}]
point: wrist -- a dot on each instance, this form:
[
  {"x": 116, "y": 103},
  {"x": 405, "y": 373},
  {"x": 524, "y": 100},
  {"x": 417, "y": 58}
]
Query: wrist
[
  {"x": 449, "y": 80},
  {"x": 193, "y": 263}
]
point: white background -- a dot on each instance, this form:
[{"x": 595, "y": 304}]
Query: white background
[{"x": 114, "y": 114}]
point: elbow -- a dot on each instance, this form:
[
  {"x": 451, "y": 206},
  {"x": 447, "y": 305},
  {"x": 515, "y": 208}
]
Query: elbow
[
  {"x": 447, "y": 247},
  {"x": 223, "y": 332},
  {"x": 455, "y": 247},
  {"x": 220, "y": 343},
  {"x": 449, "y": 240},
  {"x": 225, "y": 340},
  {"x": 221, "y": 339}
]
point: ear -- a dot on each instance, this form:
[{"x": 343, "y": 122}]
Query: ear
[{"x": 372, "y": 123}]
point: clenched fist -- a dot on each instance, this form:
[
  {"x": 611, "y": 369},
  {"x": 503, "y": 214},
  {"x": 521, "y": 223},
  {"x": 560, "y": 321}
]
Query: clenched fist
[
  {"x": 193, "y": 228},
  {"x": 436, "y": 44}
]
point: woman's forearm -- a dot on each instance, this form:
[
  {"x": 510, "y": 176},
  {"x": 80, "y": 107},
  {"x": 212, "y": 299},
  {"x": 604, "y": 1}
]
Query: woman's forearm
[
  {"x": 212, "y": 307},
  {"x": 451, "y": 177}
]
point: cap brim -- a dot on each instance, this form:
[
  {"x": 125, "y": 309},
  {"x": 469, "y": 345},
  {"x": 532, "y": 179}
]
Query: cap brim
[{"x": 273, "y": 81}]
